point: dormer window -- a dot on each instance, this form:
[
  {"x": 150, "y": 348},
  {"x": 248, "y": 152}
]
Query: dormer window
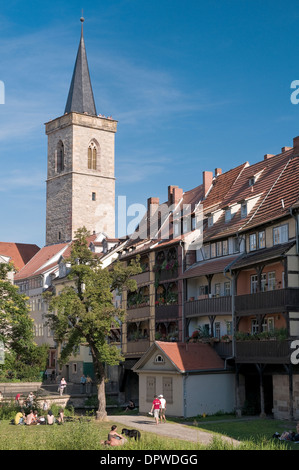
[
  {"x": 228, "y": 215},
  {"x": 251, "y": 181},
  {"x": 243, "y": 210}
]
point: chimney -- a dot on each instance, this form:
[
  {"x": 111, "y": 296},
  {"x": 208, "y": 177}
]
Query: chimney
[
  {"x": 152, "y": 207},
  {"x": 296, "y": 145},
  {"x": 218, "y": 172},
  {"x": 207, "y": 178},
  {"x": 285, "y": 149},
  {"x": 268, "y": 155},
  {"x": 174, "y": 194}
]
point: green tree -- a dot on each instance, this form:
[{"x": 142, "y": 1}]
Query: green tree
[
  {"x": 23, "y": 358},
  {"x": 84, "y": 311}
]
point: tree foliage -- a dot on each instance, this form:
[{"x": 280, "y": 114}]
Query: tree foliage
[
  {"x": 23, "y": 358},
  {"x": 84, "y": 311}
]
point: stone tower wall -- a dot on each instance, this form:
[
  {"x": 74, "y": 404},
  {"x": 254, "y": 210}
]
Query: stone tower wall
[{"x": 78, "y": 196}]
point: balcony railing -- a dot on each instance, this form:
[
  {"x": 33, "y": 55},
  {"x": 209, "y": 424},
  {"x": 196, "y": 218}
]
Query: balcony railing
[
  {"x": 165, "y": 312},
  {"x": 219, "y": 305},
  {"x": 142, "y": 278},
  {"x": 268, "y": 351},
  {"x": 138, "y": 312},
  {"x": 138, "y": 347},
  {"x": 267, "y": 302}
]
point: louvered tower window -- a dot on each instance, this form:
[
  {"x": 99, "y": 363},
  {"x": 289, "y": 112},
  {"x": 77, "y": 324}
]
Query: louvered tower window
[{"x": 92, "y": 157}]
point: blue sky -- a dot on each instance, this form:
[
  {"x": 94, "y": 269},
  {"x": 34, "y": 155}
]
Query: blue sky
[{"x": 194, "y": 86}]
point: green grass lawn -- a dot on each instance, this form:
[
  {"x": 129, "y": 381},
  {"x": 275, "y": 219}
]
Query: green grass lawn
[
  {"x": 87, "y": 434},
  {"x": 252, "y": 432}
]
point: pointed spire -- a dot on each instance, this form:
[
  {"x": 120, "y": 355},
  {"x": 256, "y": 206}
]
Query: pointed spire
[{"x": 80, "y": 98}]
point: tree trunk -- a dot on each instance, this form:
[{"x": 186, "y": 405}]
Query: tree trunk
[{"x": 101, "y": 413}]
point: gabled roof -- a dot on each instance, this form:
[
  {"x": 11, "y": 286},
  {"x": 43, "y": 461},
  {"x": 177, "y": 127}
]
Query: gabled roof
[
  {"x": 19, "y": 253},
  {"x": 185, "y": 357},
  {"x": 80, "y": 98},
  {"x": 46, "y": 256}
]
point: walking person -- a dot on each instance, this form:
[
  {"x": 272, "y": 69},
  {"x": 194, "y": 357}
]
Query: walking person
[
  {"x": 162, "y": 408},
  {"x": 156, "y": 408},
  {"x": 62, "y": 386}
]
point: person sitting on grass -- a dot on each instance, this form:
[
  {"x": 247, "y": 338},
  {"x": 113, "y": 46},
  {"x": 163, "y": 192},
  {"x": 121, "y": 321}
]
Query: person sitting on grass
[
  {"x": 114, "y": 439},
  {"x": 50, "y": 418},
  {"x": 20, "y": 417},
  {"x": 130, "y": 407},
  {"x": 30, "y": 418},
  {"x": 61, "y": 416}
]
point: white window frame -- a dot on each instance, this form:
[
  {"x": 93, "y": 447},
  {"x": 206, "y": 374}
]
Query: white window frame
[{"x": 280, "y": 234}]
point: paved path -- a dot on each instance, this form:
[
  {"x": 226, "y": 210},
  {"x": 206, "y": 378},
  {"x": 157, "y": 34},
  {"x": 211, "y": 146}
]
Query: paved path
[{"x": 174, "y": 430}]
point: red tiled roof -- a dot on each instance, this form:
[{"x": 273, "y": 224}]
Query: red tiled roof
[
  {"x": 211, "y": 266},
  {"x": 191, "y": 356},
  {"x": 20, "y": 253},
  {"x": 35, "y": 265}
]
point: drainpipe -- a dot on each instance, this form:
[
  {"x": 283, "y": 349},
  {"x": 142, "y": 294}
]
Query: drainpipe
[
  {"x": 233, "y": 316},
  {"x": 183, "y": 294}
]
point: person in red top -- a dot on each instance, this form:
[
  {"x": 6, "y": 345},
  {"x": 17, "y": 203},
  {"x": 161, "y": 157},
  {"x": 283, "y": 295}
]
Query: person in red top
[{"x": 156, "y": 407}]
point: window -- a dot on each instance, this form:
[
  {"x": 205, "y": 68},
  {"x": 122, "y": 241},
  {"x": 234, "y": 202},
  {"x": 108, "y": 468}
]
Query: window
[
  {"x": 213, "y": 250},
  {"x": 159, "y": 359},
  {"x": 271, "y": 281},
  {"x": 243, "y": 210},
  {"x": 236, "y": 245},
  {"x": 280, "y": 234},
  {"x": 253, "y": 284},
  {"x": 60, "y": 157},
  {"x": 150, "y": 388},
  {"x": 252, "y": 242},
  {"x": 262, "y": 239},
  {"x": 254, "y": 326},
  {"x": 263, "y": 282},
  {"x": 229, "y": 327},
  {"x": 219, "y": 248},
  {"x": 228, "y": 215},
  {"x": 193, "y": 223},
  {"x": 206, "y": 249},
  {"x": 74, "y": 368},
  {"x": 224, "y": 247},
  {"x": 92, "y": 157},
  {"x": 217, "y": 290},
  {"x": 210, "y": 221},
  {"x": 167, "y": 386},
  {"x": 227, "y": 288},
  {"x": 217, "y": 330},
  {"x": 93, "y": 196},
  {"x": 251, "y": 181}
]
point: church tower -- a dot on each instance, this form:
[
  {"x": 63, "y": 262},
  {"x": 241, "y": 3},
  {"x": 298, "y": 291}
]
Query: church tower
[{"x": 80, "y": 178}]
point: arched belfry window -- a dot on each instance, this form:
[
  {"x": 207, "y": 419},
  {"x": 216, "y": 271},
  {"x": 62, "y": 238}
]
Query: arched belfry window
[
  {"x": 92, "y": 156},
  {"x": 60, "y": 157}
]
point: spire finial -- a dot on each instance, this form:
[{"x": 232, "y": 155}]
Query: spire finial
[{"x": 82, "y": 21}]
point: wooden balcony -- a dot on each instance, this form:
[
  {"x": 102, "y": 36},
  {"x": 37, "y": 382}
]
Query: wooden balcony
[
  {"x": 142, "y": 278},
  {"x": 166, "y": 275},
  {"x": 167, "y": 312},
  {"x": 267, "y": 302},
  {"x": 138, "y": 313},
  {"x": 267, "y": 352},
  {"x": 138, "y": 347},
  {"x": 214, "y": 305}
]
